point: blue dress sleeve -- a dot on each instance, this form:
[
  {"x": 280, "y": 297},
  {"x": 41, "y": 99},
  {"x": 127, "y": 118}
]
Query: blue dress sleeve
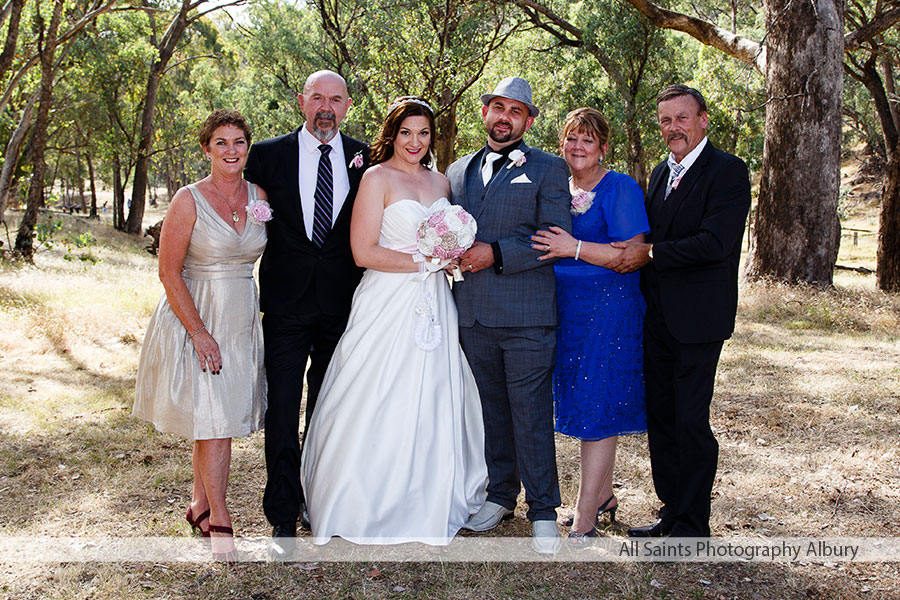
[{"x": 623, "y": 207}]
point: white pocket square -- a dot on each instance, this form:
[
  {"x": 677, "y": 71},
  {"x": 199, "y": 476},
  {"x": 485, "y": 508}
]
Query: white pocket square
[{"x": 523, "y": 178}]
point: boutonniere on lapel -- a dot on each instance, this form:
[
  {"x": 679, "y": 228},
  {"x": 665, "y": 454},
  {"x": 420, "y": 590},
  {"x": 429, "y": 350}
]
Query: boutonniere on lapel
[
  {"x": 516, "y": 159},
  {"x": 357, "y": 161}
]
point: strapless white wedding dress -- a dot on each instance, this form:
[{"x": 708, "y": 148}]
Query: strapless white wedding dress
[{"x": 395, "y": 448}]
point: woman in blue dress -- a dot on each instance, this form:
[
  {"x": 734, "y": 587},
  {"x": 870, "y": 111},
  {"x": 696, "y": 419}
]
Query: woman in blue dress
[{"x": 598, "y": 381}]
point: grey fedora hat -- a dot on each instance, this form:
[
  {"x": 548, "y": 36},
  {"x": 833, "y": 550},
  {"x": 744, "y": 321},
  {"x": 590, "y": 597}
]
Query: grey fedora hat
[{"x": 514, "y": 88}]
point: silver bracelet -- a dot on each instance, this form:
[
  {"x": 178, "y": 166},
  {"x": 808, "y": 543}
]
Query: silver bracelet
[
  {"x": 191, "y": 335},
  {"x": 578, "y": 250}
]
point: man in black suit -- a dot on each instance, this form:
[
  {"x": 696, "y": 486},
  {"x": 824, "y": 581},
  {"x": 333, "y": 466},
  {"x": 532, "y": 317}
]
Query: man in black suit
[
  {"x": 697, "y": 204},
  {"x": 307, "y": 276}
]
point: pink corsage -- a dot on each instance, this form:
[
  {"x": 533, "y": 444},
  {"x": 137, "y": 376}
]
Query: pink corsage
[
  {"x": 581, "y": 202},
  {"x": 516, "y": 159},
  {"x": 357, "y": 161},
  {"x": 259, "y": 211}
]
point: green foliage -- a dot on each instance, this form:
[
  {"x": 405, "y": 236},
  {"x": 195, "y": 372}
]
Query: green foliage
[{"x": 45, "y": 234}]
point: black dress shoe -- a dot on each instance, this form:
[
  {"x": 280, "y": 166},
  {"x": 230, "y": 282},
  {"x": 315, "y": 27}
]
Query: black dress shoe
[
  {"x": 282, "y": 545},
  {"x": 658, "y": 528},
  {"x": 304, "y": 517},
  {"x": 284, "y": 530}
]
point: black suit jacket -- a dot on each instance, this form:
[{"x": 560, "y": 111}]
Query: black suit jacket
[
  {"x": 696, "y": 235},
  {"x": 295, "y": 277}
]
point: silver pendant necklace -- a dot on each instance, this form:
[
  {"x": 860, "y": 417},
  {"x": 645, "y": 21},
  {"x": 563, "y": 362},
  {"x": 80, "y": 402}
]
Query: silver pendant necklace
[{"x": 228, "y": 201}]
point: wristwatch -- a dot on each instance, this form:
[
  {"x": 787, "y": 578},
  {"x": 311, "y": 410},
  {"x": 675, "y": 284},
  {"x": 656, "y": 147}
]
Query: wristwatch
[{"x": 650, "y": 253}]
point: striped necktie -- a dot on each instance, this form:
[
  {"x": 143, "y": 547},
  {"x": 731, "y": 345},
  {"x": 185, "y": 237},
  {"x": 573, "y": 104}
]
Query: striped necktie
[
  {"x": 324, "y": 198},
  {"x": 674, "y": 177}
]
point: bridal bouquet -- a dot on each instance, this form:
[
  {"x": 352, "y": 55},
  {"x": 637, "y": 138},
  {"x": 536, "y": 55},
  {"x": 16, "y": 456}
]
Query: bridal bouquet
[
  {"x": 441, "y": 237},
  {"x": 446, "y": 235}
]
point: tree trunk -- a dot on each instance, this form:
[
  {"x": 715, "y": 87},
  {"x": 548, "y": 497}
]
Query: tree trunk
[
  {"x": 888, "y": 269},
  {"x": 118, "y": 195},
  {"x": 445, "y": 138},
  {"x": 12, "y": 35},
  {"x": 80, "y": 181},
  {"x": 888, "y": 265},
  {"x": 47, "y": 45},
  {"x": 145, "y": 142},
  {"x": 891, "y": 90},
  {"x": 797, "y": 227},
  {"x": 636, "y": 168},
  {"x": 12, "y": 154},
  {"x": 90, "y": 166}
]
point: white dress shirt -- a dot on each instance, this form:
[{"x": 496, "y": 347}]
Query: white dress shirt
[
  {"x": 687, "y": 161},
  {"x": 309, "y": 170}
]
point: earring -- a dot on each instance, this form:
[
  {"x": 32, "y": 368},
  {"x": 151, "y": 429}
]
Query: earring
[{"x": 601, "y": 160}]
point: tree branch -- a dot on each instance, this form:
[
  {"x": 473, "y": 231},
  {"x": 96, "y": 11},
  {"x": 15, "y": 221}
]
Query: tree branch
[
  {"x": 882, "y": 22},
  {"x": 184, "y": 60},
  {"x": 736, "y": 46}
]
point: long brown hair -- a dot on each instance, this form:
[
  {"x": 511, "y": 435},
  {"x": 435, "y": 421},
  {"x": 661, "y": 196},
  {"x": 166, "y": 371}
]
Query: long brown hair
[{"x": 401, "y": 108}]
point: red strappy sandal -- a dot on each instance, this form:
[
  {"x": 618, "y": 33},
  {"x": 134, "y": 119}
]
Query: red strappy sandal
[{"x": 195, "y": 523}]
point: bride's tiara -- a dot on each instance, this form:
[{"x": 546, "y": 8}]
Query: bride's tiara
[{"x": 412, "y": 100}]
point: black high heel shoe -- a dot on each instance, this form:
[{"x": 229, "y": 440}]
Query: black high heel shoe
[{"x": 604, "y": 508}]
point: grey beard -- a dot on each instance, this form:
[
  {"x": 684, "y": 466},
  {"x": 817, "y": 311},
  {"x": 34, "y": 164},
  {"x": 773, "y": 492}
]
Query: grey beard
[{"x": 324, "y": 135}]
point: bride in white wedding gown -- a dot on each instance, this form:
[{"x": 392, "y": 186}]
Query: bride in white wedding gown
[{"x": 395, "y": 448}]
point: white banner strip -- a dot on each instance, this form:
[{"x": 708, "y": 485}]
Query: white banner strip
[{"x": 461, "y": 549}]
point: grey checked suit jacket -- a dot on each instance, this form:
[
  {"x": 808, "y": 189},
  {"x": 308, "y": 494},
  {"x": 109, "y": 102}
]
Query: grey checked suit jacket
[{"x": 524, "y": 293}]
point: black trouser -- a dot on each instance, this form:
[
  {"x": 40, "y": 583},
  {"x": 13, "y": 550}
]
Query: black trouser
[
  {"x": 683, "y": 450},
  {"x": 289, "y": 342}
]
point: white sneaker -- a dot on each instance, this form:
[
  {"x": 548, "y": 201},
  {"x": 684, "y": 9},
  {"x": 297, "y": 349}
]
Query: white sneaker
[
  {"x": 545, "y": 537},
  {"x": 487, "y": 517}
]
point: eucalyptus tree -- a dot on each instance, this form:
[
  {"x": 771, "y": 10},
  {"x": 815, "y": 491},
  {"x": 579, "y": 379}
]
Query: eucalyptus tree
[
  {"x": 634, "y": 55},
  {"x": 279, "y": 46},
  {"x": 874, "y": 64},
  {"x": 166, "y": 34},
  {"x": 801, "y": 56},
  {"x": 437, "y": 49},
  {"x": 48, "y": 41},
  {"x": 25, "y": 98}
]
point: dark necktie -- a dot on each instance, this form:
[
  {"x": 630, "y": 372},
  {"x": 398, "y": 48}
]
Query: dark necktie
[{"x": 324, "y": 198}]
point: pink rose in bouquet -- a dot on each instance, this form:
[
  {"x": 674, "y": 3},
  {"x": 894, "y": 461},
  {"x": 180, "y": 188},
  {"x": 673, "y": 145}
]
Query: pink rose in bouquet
[{"x": 446, "y": 235}]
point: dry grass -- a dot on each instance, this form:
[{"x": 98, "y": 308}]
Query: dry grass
[{"x": 805, "y": 411}]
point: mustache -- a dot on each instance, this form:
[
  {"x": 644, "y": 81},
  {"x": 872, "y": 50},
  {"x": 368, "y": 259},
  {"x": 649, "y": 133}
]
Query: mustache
[
  {"x": 325, "y": 115},
  {"x": 675, "y": 136}
]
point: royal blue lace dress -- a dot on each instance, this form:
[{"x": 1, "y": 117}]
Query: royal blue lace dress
[{"x": 598, "y": 381}]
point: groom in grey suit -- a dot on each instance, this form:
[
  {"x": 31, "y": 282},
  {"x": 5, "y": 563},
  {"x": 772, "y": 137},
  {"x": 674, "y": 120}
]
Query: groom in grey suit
[{"x": 507, "y": 307}]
